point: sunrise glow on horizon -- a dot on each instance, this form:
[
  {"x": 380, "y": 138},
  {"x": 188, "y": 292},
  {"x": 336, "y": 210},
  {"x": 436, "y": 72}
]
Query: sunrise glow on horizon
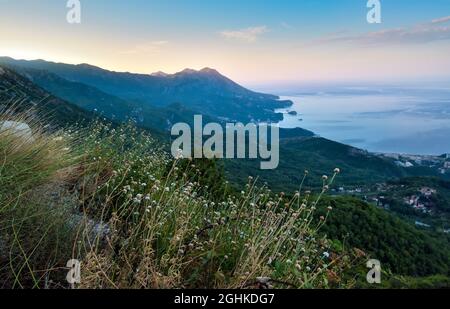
[{"x": 251, "y": 42}]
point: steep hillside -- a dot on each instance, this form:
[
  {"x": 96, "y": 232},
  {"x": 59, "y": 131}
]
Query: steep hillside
[{"x": 22, "y": 95}]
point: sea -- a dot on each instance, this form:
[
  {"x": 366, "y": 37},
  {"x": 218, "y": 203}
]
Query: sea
[{"x": 388, "y": 120}]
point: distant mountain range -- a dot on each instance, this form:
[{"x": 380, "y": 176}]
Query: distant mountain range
[{"x": 205, "y": 91}]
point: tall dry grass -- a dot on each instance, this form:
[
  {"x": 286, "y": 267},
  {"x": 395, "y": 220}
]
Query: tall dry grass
[
  {"x": 33, "y": 232},
  {"x": 136, "y": 218}
]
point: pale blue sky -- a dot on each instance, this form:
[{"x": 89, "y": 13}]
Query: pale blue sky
[{"x": 249, "y": 40}]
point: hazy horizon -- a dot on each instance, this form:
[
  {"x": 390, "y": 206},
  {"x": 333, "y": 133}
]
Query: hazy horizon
[
  {"x": 290, "y": 87},
  {"x": 252, "y": 42}
]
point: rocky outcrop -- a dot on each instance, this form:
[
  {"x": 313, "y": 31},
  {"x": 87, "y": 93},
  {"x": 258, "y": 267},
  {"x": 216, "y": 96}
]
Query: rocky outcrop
[{"x": 18, "y": 129}]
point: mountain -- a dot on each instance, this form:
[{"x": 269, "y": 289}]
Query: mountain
[
  {"x": 206, "y": 90},
  {"x": 156, "y": 118},
  {"x": 160, "y": 73},
  {"x": 21, "y": 95}
]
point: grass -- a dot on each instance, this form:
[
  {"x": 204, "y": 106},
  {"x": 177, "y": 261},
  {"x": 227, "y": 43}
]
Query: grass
[
  {"x": 136, "y": 218},
  {"x": 32, "y": 232}
]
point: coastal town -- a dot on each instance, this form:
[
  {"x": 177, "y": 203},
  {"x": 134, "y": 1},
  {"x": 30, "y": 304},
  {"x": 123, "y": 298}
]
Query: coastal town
[
  {"x": 424, "y": 202},
  {"x": 440, "y": 163}
]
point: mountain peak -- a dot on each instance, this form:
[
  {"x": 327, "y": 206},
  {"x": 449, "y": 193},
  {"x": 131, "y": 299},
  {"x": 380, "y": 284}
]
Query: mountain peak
[
  {"x": 187, "y": 71},
  {"x": 209, "y": 71},
  {"x": 160, "y": 74},
  {"x": 88, "y": 66}
]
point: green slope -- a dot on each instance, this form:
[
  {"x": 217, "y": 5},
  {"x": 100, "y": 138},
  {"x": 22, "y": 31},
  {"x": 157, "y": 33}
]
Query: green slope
[
  {"x": 399, "y": 246},
  {"x": 20, "y": 94},
  {"x": 320, "y": 156}
]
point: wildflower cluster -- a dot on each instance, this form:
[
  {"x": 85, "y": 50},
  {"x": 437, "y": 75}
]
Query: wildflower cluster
[{"x": 168, "y": 230}]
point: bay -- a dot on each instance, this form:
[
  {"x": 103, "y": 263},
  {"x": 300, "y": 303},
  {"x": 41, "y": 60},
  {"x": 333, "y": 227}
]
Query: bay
[{"x": 413, "y": 121}]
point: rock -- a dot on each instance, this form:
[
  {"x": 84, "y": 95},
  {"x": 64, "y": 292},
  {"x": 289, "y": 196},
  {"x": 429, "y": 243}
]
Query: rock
[
  {"x": 58, "y": 197},
  {"x": 101, "y": 230},
  {"x": 93, "y": 230},
  {"x": 2, "y": 71},
  {"x": 19, "y": 129},
  {"x": 404, "y": 164}
]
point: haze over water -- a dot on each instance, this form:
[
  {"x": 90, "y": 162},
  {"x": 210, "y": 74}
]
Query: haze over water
[{"x": 401, "y": 120}]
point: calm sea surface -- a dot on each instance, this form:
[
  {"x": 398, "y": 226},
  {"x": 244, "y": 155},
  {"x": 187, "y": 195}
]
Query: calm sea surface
[{"x": 415, "y": 121}]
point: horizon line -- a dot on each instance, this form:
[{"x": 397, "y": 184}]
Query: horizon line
[{"x": 287, "y": 82}]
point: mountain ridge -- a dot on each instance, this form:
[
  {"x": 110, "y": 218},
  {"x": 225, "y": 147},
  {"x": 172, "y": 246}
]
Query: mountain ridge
[{"x": 205, "y": 90}]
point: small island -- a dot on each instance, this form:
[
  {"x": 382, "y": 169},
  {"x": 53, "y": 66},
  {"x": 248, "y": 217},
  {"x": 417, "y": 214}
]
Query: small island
[{"x": 292, "y": 113}]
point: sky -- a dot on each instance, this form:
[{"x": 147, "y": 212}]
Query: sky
[{"x": 251, "y": 41}]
